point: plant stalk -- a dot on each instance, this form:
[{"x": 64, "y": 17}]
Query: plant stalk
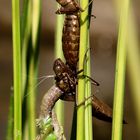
[
  {"x": 59, "y": 107},
  {"x": 17, "y": 69},
  {"x": 120, "y": 73},
  {"x": 84, "y": 24}
]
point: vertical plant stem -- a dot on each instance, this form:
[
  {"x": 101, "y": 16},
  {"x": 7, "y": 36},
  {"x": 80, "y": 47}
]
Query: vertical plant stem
[
  {"x": 81, "y": 82},
  {"x": 58, "y": 36},
  {"x": 33, "y": 67},
  {"x": 36, "y": 16},
  {"x": 25, "y": 41},
  {"x": 88, "y": 105},
  {"x": 17, "y": 69},
  {"x": 59, "y": 54},
  {"x": 25, "y": 38},
  {"x": 120, "y": 73}
]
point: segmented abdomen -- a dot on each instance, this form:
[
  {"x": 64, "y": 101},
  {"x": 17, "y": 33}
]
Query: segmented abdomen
[
  {"x": 70, "y": 39},
  {"x": 49, "y": 101}
]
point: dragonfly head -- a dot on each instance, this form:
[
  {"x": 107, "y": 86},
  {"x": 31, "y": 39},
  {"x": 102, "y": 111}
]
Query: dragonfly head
[{"x": 58, "y": 67}]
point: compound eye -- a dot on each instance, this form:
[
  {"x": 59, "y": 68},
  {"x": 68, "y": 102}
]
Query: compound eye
[{"x": 58, "y": 70}]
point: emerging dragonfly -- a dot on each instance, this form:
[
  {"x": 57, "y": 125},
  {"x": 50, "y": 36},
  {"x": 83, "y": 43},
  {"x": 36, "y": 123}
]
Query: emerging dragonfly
[
  {"x": 65, "y": 88},
  {"x": 66, "y": 81}
]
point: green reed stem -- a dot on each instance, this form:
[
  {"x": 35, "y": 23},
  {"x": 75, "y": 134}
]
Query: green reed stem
[
  {"x": 58, "y": 36},
  {"x": 17, "y": 69},
  {"x": 59, "y": 107},
  {"x": 120, "y": 73},
  {"x": 33, "y": 67},
  {"x": 25, "y": 39},
  {"x": 88, "y": 105},
  {"x": 81, "y": 82}
]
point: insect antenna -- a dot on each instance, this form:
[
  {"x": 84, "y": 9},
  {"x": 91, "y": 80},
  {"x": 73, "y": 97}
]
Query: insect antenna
[{"x": 43, "y": 78}]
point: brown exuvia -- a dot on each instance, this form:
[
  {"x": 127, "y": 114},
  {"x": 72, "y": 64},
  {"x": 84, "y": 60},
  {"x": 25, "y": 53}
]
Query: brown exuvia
[
  {"x": 66, "y": 81},
  {"x": 71, "y": 31}
]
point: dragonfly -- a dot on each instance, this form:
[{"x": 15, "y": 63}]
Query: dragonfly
[
  {"x": 65, "y": 89},
  {"x": 67, "y": 81}
]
